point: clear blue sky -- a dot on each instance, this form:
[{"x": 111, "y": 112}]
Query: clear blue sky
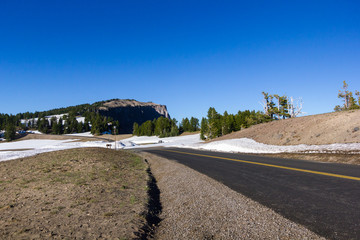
[{"x": 188, "y": 55}]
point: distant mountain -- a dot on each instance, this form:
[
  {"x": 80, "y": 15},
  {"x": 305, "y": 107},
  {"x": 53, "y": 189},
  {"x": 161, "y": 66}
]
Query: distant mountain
[{"x": 127, "y": 112}]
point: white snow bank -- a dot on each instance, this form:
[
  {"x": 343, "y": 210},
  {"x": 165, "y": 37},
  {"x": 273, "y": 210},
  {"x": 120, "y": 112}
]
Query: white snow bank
[
  {"x": 37, "y": 146},
  {"x": 34, "y": 132},
  {"x": 34, "y": 143},
  {"x": 181, "y": 141},
  {"x": 80, "y": 119},
  {"x": 242, "y": 145},
  {"x": 246, "y": 145}
]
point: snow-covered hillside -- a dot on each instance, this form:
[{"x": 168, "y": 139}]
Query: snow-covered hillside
[{"x": 27, "y": 121}]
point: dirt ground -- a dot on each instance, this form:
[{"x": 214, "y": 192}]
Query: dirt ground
[
  {"x": 87, "y": 193},
  {"x": 329, "y": 128}
]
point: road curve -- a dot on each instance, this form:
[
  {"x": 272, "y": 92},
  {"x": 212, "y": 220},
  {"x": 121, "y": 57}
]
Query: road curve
[{"x": 324, "y": 197}]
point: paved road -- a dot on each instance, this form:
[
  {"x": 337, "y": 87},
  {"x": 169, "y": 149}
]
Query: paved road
[{"x": 323, "y": 197}]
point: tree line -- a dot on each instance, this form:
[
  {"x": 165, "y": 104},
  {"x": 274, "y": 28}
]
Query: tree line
[
  {"x": 216, "y": 125},
  {"x": 162, "y": 127},
  {"x": 66, "y": 124},
  {"x": 281, "y": 107}
]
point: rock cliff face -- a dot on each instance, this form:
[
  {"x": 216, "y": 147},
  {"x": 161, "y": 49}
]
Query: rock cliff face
[{"x": 127, "y": 112}]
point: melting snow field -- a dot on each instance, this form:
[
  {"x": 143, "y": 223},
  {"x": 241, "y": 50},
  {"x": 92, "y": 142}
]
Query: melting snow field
[{"x": 13, "y": 150}]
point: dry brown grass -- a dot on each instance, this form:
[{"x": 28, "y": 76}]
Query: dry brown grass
[
  {"x": 80, "y": 193},
  {"x": 189, "y": 133}
]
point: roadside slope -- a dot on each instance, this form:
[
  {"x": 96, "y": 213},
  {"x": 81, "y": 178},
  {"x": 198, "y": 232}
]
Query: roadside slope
[{"x": 328, "y": 128}]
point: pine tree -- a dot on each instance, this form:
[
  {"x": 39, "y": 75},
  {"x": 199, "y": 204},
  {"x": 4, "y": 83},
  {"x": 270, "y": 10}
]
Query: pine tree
[
  {"x": 194, "y": 123},
  {"x": 225, "y": 127},
  {"x": 185, "y": 125},
  {"x": 116, "y": 125},
  {"x": 10, "y": 131},
  {"x": 60, "y": 126},
  {"x": 214, "y": 122},
  {"x": 80, "y": 127},
  {"x": 136, "y": 129},
  {"x": 86, "y": 126},
  {"x": 204, "y": 128}
]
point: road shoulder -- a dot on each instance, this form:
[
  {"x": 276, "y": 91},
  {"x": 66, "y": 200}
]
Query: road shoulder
[{"x": 195, "y": 206}]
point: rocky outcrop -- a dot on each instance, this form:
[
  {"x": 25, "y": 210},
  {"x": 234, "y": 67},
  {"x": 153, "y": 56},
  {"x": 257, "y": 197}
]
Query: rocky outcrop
[{"x": 127, "y": 112}]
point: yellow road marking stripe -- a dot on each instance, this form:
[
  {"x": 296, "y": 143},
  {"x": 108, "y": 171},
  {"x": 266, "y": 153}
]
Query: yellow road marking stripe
[{"x": 272, "y": 165}]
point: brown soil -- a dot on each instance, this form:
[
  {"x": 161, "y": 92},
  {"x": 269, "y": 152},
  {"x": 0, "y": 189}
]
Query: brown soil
[
  {"x": 14, "y": 150},
  {"x": 189, "y": 133},
  {"x": 80, "y": 193},
  {"x": 336, "y": 127},
  {"x": 113, "y": 138}
]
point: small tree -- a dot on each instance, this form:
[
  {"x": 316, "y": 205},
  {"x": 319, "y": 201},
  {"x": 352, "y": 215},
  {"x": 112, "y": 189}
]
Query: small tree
[
  {"x": 10, "y": 131},
  {"x": 348, "y": 98},
  {"x": 194, "y": 123},
  {"x": 345, "y": 95},
  {"x": 136, "y": 129},
  {"x": 214, "y": 123},
  {"x": 204, "y": 128}
]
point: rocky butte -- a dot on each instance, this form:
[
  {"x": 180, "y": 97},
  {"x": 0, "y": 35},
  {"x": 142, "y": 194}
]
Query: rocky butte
[{"x": 127, "y": 112}]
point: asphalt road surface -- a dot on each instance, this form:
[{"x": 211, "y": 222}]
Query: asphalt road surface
[{"x": 323, "y": 197}]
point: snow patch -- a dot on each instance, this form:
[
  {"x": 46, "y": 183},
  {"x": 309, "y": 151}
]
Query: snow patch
[{"x": 242, "y": 145}]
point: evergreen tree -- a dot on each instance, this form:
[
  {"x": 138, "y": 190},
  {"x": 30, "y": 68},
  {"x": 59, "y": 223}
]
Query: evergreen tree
[
  {"x": 86, "y": 126},
  {"x": 185, "y": 125},
  {"x": 204, "y": 128},
  {"x": 60, "y": 126},
  {"x": 225, "y": 127},
  {"x": 194, "y": 124},
  {"x": 214, "y": 122},
  {"x": 116, "y": 126},
  {"x": 136, "y": 129},
  {"x": 10, "y": 131},
  {"x": 43, "y": 125},
  {"x": 80, "y": 127}
]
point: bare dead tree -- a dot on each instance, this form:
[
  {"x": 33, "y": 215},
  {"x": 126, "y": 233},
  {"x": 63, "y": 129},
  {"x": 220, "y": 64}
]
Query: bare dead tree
[
  {"x": 346, "y": 95},
  {"x": 295, "y": 106},
  {"x": 265, "y": 103}
]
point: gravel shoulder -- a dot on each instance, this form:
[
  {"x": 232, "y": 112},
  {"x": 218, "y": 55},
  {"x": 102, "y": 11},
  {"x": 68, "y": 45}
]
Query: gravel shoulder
[{"x": 195, "y": 206}]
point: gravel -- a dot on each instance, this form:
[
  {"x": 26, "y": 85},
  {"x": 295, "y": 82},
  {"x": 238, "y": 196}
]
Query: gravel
[{"x": 195, "y": 206}]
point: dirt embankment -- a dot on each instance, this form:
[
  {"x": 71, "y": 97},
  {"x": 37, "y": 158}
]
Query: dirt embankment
[
  {"x": 73, "y": 194},
  {"x": 329, "y": 128}
]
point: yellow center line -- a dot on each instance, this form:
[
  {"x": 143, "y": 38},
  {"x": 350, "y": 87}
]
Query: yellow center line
[{"x": 271, "y": 165}]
